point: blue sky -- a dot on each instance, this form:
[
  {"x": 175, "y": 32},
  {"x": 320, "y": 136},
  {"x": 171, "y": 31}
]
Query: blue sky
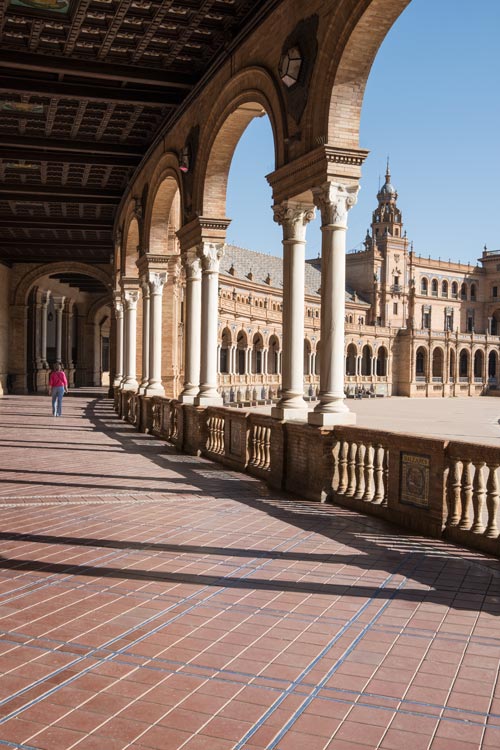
[{"x": 432, "y": 104}]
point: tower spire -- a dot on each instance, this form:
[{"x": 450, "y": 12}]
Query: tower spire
[{"x": 388, "y": 172}]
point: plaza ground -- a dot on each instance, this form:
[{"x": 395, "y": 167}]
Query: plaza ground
[{"x": 151, "y": 600}]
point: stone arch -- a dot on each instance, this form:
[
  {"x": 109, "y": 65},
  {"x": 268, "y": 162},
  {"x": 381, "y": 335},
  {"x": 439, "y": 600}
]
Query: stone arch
[
  {"x": 493, "y": 366},
  {"x": 366, "y": 360},
  {"x": 434, "y": 287},
  {"x": 20, "y": 294},
  {"x": 454, "y": 289},
  {"x": 101, "y": 360},
  {"x": 464, "y": 364},
  {"x": 424, "y": 285},
  {"x": 241, "y": 346},
  {"x": 342, "y": 70},
  {"x": 257, "y": 353},
  {"x": 478, "y": 364},
  {"x": 226, "y": 341},
  {"x": 444, "y": 288},
  {"x": 273, "y": 355},
  {"x": 249, "y": 94}
]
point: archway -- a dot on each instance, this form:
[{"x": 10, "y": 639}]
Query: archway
[
  {"x": 421, "y": 363},
  {"x": 463, "y": 365},
  {"x": 273, "y": 356},
  {"x": 307, "y": 357},
  {"x": 351, "y": 358},
  {"x": 225, "y": 349},
  {"x": 257, "y": 349},
  {"x": 242, "y": 347},
  {"x": 131, "y": 249},
  {"x": 492, "y": 366},
  {"x": 478, "y": 365},
  {"x": 437, "y": 363},
  {"x": 382, "y": 359},
  {"x": 366, "y": 360}
]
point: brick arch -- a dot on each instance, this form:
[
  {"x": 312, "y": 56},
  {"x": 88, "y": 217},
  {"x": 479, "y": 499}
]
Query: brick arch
[
  {"x": 130, "y": 248},
  {"x": 343, "y": 67},
  {"x": 249, "y": 94},
  {"x": 20, "y": 294},
  {"x": 165, "y": 196},
  {"x": 96, "y": 306}
]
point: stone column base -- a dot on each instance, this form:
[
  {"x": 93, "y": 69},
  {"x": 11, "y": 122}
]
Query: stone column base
[
  {"x": 289, "y": 415},
  {"x": 331, "y": 419},
  {"x": 208, "y": 401},
  {"x": 185, "y": 398},
  {"x": 132, "y": 386}
]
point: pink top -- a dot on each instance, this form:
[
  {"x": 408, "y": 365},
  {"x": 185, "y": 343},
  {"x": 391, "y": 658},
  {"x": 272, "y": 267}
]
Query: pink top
[{"x": 57, "y": 378}]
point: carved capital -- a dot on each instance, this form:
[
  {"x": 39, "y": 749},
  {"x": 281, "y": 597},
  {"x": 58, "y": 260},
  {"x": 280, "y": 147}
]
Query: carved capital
[
  {"x": 210, "y": 254},
  {"x": 118, "y": 308},
  {"x": 334, "y": 201},
  {"x": 45, "y": 299},
  {"x": 144, "y": 286},
  {"x": 58, "y": 304},
  {"x": 192, "y": 266},
  {"x": 156, "y": 282},
  {"x": 294, "y": 219},
  {"x": 130, "y": 298}
]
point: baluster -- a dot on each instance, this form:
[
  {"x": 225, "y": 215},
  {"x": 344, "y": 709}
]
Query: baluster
[
  {"x": 258, "y": 446},
  {"x": 492, "y": 502},
  {"x": 209, "y": 438},
  {"x": 222, "y": 436},
  {"x": 478, "y": 498},
  {"x": 369, "y": 490},
  {"x": 379, "y": 475},
  {"x": 342, "y": 459},
  {"x": 465, "y": 520},
  {"x": 386, "y": 476},
  {"x": 360, "y": 472},
  {"x": 454, "y": 493},
  {"x": 253, "y": 459},
  {"x": 351, "y": 470},
  {"x": 268, "y": 448}
]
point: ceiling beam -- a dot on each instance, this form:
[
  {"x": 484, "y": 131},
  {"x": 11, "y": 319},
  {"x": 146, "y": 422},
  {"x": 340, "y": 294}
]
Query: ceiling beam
[
  {"x": 31, "y": 196},
  {"x": 57, "y": 144},
  {"x": 68, "y": 157},
  {"x": 90, "y": 92},
  {"x": 13, "y": 222},
  {"x": 145, "y": 76},
  {"x": 64, "y": 193},
  {"x": 47, "y": 242}
]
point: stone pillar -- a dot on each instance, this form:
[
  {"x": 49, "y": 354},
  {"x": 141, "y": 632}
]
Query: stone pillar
[
  {"x": 119, "y": 341},
  {"x": 156, "y": 283},
  {"x": 59, "y": 308},
  {"x": 68, "y": 342},
  {"x": 192, "y": 266},
  {"x": 130, "y": 298},
  {"x": 334, "y": 200},
  {"x": 44, "y": 310},
  {"x": 145, "y": 334},
  {"x": 210, "y": 254},
  {"x": 294, "y": 220}
]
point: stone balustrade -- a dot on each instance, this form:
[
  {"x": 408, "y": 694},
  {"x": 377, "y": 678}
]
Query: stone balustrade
[{"x": 430, "y": 486}]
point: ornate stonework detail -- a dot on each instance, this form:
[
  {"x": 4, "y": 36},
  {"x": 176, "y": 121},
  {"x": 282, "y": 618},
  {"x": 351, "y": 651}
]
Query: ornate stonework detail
[
  {"x": 294, "y": 220},
  {"x": 130, "y": 298},
  {"x": 118, "y": 308},
  {"x": 334, "y": 201},
  {"x": 156, "y": 282},
  {"x": 144, "y": 286},
  {"x": 58, "y": 303},
  {"x": 210, "y": 254},
  {"x": 192, "y": 266}
]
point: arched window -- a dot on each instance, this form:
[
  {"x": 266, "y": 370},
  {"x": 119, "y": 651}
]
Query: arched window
[
  {"x": 473, "y": 292},
  {"x": 454, "y": 290},
  {"x": 242, "y": 345},
  {"x": 257, "y": 347},
  {"x": 452, "y": 365},
  {"x": 463, "y": 291},
  {"x": 424, "y": 285},
  {"x": 492, "y": 366},
  {"x": 382, "y": 362},
  {"x": 421, "y": 363},
  {"x": 444, "y": 289},
  {"x": 350, "y": 362},
  {"x": 437, "y": 363},
  {"x": 434, "y": 287},
  {"x": 463, "y": 365},
  {"x": 478, "y": 365},
  {"x": 307, "y": 357},
  {"x": 366, "y": 360},
  {"x": 273, "y": 356},
  {"x": 225, "y": 348}
]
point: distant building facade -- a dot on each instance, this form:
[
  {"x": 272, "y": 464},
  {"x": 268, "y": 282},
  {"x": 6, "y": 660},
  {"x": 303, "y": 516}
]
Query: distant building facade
[{"x": 414, "y": 326}]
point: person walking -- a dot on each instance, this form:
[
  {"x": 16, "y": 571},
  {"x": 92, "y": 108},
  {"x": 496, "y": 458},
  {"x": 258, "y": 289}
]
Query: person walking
[{"x": 58, "y": 386}]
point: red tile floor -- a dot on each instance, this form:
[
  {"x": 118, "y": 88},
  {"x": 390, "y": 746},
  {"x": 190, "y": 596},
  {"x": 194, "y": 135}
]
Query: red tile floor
[{"x": 151, "y": 600}]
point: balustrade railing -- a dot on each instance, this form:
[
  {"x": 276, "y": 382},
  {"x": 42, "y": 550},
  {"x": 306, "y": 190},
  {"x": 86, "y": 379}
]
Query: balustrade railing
[
  {"x": 361, "y": 471},
  {"x": 260, "y": 447}
]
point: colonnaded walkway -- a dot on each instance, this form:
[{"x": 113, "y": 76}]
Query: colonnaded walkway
[{"x": 150, "y": 600}]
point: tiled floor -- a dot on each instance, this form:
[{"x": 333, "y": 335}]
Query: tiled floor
[{"x": 150, "y": 600}]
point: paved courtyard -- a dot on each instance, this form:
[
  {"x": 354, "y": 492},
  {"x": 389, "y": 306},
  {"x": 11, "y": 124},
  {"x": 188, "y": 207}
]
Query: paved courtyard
[{"x": 156, "y": 601}]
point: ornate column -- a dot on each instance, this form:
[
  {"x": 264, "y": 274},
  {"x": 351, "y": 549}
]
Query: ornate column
[
  {"x": 192, "y": 267},
  {"x": 294, "y": 219},
  {"x": 145, "y": 334},
  {"x": 44, "y": 310},
  {"x": 59, "y": 309},
  {"x": 68, "y": 342},
  {"x": 334, "y": 201},
  {"x": 118, "y": 308},
  {"x": 156, "y": 283},
  {"x": 130, "y": 299},
  {"x": 210, "y": 254}
]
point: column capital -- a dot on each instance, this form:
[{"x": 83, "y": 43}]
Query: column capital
[
  {"x": 130, "y": 299},
  {"x": 118, "y": 308},
  {"x": 210, "y": 254},
  {"x": 192, "y": 265},
  {"x": 156, "y": 282},
  {"x": 58, "y": 303},
  {"x": 45, "y": 298},
  {"x": 294, "y": 219},
  {"x": 144, "y": 283},
  {"x": 334, "y": 199}
]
